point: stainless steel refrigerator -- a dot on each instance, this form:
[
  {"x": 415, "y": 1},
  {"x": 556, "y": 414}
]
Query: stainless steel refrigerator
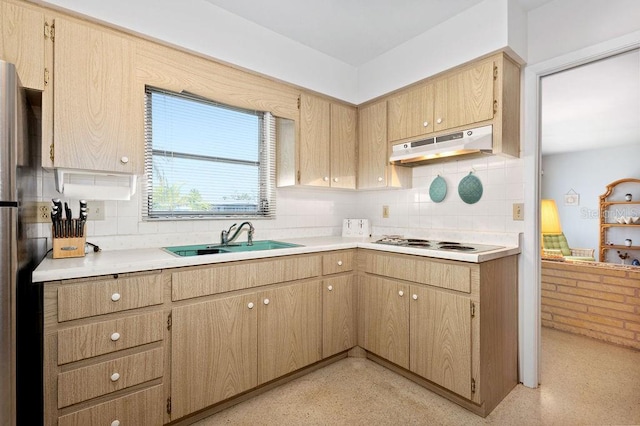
[{"x": 20, "y": 248}]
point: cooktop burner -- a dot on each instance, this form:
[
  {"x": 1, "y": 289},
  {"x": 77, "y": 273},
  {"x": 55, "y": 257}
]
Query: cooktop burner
[{"x": 397, "y": 240}]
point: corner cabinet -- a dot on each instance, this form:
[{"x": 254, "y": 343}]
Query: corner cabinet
[
  {"x": 614, "y": 231},
  {"x": 374, "y": 169},
  {"x": 327, "y": 146},
  {"x": 96, "y": 115}
]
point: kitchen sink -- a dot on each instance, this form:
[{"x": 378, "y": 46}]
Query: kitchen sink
[{"x": 201, "y": 249}]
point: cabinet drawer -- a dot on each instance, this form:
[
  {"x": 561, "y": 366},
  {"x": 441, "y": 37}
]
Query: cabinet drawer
[
  {"x": 111, "y": 295},
  {"x": 454, "y": 276},
  {"x": 334, "y": 263},
  {"x": 95, "y": 380},
  {"x": 145, "y": 407},
  {"x": 108, "y": 336},
  {"x": 223, "y": 278}
]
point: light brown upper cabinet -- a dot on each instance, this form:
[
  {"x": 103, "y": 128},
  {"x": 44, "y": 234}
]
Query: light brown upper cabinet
[
  {"x": 98, "y": 107},
  {"x": 411, "y": 113},
  {"x": 374, "y": 169},
  {"x": 23, "y": 40},
  {"x": 465, "y": 97},
  {"x": 327, "y": 156},
  {"x": 483, "y": 92}
]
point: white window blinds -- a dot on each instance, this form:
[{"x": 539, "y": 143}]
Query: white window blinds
[{"x": 207, "y": 160}]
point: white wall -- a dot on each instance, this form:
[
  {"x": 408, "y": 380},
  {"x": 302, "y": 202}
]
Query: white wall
[
  {"x": 587, "y": 173},
  {"x": 564, "y": 26}
]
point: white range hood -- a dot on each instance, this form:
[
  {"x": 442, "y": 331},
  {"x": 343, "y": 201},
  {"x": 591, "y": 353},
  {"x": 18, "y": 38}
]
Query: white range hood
[{"x": 470, "y": 141}]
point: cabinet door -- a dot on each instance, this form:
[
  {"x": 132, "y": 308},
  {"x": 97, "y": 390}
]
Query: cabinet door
[
  {"x": 383, "y": 326},
  {"x": 289, "y": 329},
  {"x": 465, "y": 97},
  {"x": 441, "y": 338},
  {"x": 98, "y": 109},
  {"x": 411, "y": 113},
  {"x": 373, "y": 149},
  {"x": 213, "y": 352},
  {"x": 338, "y": 315},
  {"x": 315, "y": 119},
  {"x": 22, "y": 43},
  {"x": 343, "y": 146}
]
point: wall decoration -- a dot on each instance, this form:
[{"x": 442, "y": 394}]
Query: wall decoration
[
  {"x": 470, "y": 189},
  {"x": 571, "y": 198},
  {"x": 438, "y": 189}
]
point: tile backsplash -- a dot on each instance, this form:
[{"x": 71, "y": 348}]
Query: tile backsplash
[{"x": 305, "y": 212}]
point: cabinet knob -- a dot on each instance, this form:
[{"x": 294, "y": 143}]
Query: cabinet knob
[
  {"x": 339, "y": 262},
  {"x": 415, "y": 297},
  {"x": 401, "y": 293},
  {"x": 266, "y": 301},
  {"x": 115, "y": 423},
  {"x": 124, "y": 160},
  {"x": 439, "y": 120},
  {"x": 425, "y": 124},
  {"x": 379, "y": 178},
  {"x": 250, "y": 305},
  {"x": 115, "y": 337},
  {"x": 335, "y": 179},
  {"x": 330, "y": 288},
  {"x": 115, "y": 297},
  {"x": 115, "y": 377}
]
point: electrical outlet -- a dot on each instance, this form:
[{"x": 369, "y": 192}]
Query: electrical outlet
[
  {"x": 518, "y": 211},
  {"x": 42, "y": 212},
  {"x": 385, "y": 212},
  {"x": 95, "y": 210}
]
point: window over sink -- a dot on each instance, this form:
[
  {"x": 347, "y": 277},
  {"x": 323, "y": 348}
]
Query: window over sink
[{"x": 204, "y": 159}]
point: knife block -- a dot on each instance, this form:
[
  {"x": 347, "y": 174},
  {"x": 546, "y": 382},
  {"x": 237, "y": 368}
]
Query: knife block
[{"x": 68, "y": 247}]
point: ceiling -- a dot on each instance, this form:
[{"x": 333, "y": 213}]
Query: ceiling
[
  {"x": 352, "y": 31},
  {"x": 596, "y": 105}
]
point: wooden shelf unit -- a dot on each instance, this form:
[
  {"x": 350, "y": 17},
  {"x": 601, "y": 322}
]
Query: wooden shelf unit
[{"x": 609, "y": 199}]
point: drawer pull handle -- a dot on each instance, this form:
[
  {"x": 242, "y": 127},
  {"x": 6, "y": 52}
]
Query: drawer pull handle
[
  {"x": 250, "y": 305},
  {"x": 380, "y": 179},
  {"x": 115, "y": 377},
  {"x": 339, "y": 262},
  {"x": 330, "y": 288},
  {"x": 115, "y": 336},
  {"x": 266, "y": 301},
  {"x": 124, "y": 160},
  {"x": 115, "y": 423},
  {"x": 115, "y": 297},
  {"x": 401, "y": 293},
  {"x": 415, "y": 297}
]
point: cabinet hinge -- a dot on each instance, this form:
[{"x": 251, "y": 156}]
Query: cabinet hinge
[
  {"x": 495, "y": 72},
  {"x": 473, "y": 309},
  {"x": 298, "y": 102},
  {"x": 169, "y": 405},
  {"x": 495, "y": 106},
  {"x": 473, "y": 385},
  {"x": 51, "y": 153},
  {"x": 49, "y": 31},
  {"x": 298, "y": 176},
  {"x": 46, "y": 76},
  {"x": 169, "y": 322}
]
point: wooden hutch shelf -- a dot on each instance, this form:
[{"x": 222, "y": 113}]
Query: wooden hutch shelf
[{"x": 616, "y": 198}]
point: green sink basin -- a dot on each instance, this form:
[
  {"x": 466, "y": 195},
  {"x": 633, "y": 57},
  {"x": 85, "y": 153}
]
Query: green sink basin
[{"x": 201, "y": 249}]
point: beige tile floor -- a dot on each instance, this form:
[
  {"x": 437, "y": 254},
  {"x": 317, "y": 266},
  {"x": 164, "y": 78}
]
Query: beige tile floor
[{"x": 584, "y": 382}]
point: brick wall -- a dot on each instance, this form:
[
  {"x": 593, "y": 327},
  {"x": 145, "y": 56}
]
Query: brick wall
[{"x": 596, "y": 300}]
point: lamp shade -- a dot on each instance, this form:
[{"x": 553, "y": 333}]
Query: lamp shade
[{"x": 549, "y": 218}]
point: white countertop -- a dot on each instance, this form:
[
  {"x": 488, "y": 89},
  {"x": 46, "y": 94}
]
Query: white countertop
[{"x": 121, "y": 261}]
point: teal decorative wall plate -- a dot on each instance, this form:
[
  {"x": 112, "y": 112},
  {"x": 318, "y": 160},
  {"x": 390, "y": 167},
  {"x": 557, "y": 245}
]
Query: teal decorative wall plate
[
  {"x": 470, "y": 189},
  {"x": 438, "y": 189}
]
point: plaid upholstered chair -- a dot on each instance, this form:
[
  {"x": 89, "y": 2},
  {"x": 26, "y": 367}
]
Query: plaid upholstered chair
[{"x": 558, "y": 243}]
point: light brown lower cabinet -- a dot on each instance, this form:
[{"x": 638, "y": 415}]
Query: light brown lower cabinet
[{"x": 339, "y": 302}]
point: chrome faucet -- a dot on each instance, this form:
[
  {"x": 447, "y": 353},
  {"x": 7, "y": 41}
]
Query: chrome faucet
[{"x": 224, "y": 235}]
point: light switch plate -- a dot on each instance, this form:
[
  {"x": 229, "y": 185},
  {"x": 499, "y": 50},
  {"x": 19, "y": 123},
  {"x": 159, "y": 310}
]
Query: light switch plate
[{"x": 518, "y": 211}]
